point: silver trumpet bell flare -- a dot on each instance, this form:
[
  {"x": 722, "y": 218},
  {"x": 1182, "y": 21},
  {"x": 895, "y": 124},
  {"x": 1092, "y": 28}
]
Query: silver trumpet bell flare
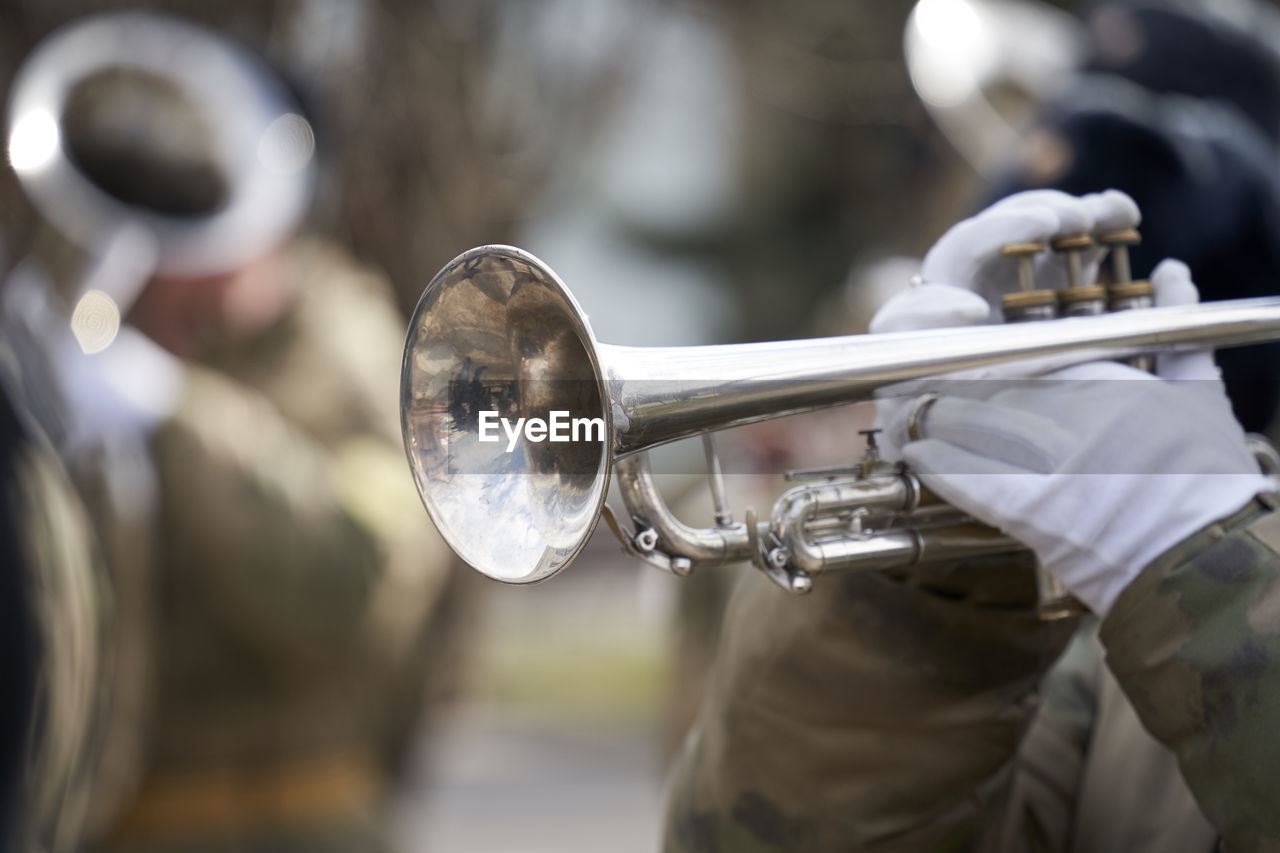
[{"x": 497, "y": 334}]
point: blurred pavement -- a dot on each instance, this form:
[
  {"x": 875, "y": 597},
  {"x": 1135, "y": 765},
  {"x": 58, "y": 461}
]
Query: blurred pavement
[
  {"x": 558, "y": 747},
  {"x": 506, "y": 785}
]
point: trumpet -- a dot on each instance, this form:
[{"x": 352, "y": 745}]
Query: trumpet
[{"x": 497, "y": 338}]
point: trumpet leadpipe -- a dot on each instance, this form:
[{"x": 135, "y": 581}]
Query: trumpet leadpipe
[{"x": 661, "y": 394}]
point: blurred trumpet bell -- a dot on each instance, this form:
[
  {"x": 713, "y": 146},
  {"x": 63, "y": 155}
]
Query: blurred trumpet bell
[
  {"x": 137, "y": 119},
  {"x": 980, "y": 66}
]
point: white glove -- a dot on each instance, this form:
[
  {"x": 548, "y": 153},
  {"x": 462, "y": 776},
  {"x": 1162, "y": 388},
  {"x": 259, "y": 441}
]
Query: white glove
[
  {"x": 966, "y": 265},
  {"x": 968, "y": 255},
  {"x": 1098, "y": 468},
  {"x": 1173, "y": 456},
  {"x": 964, "y": 275}
]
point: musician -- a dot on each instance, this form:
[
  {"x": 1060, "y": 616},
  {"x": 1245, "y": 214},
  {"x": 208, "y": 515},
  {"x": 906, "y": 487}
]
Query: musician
[
  {"x": 289, "y": 609},
  {"x": 1178, "y": 105},
  {"x": 925, "y": 710}
]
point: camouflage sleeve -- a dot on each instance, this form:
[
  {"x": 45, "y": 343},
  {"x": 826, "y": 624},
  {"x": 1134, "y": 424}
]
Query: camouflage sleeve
[
  {"x": 1195, "y": 644},
  {"x": 873, "y": 714},
  {"x": 287, "y": 541}
]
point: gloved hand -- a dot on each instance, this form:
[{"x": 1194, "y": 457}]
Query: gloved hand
[
  {"x": 968, "y": 254},
  {"x": 964, "y": 275},
  {"x": 1173, "y": 456},
  {"x": 1098, "y": 468},
  {"x": 965, "y": 269}
]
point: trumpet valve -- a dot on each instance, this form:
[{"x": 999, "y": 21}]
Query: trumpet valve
[
  {"x": 1084, "y": 301},
  {"x": 1130, "y": 294},
  {"x": 1023, "y": 254},
  {"x": 1119, "y": 243},
  {"x": 1125, "y": 294},
  {"x": 1070, "y": 248},
  {"x": 1029, "y": 305}
]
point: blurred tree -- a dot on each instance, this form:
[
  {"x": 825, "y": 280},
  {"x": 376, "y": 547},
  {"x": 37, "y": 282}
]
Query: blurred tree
[{"x": 838, "y": 163}]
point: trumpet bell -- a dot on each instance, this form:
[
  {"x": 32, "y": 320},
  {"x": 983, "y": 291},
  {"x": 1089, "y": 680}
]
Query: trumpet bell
[{"x": 496, "y": 341}]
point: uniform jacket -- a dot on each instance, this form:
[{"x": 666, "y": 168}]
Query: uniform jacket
[{"x": 927, "y": 713}]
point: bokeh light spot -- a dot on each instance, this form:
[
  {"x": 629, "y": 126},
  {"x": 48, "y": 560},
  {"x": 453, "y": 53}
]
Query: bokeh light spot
[
  {"x": 95, "y": 321},
  {"x": 33, "y": 141},
  {"x": 287, "y": 144},
  {"x": 957, "y": 50}
]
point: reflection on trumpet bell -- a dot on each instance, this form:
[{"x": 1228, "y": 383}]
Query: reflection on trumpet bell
[{"x": 497, "y": 331}]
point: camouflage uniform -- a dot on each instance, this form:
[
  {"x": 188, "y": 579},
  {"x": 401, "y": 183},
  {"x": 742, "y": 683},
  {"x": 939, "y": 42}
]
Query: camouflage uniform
[
  {"x": 896, "y": 713},
  {"x": 298, "y": 598}
]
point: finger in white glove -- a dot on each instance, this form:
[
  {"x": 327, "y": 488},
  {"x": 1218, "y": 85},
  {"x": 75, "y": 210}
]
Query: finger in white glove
[
  {"x": 968, "y": 254},
  {"x": 921, "y": 307},
  {"x": 1093, "y": 213},
  {"x": 930, "y": 306},
  {"x": 938, "y": 306},
  {"x": 1112, "y": 210},
  {"x": 1171, "y": 281}
]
